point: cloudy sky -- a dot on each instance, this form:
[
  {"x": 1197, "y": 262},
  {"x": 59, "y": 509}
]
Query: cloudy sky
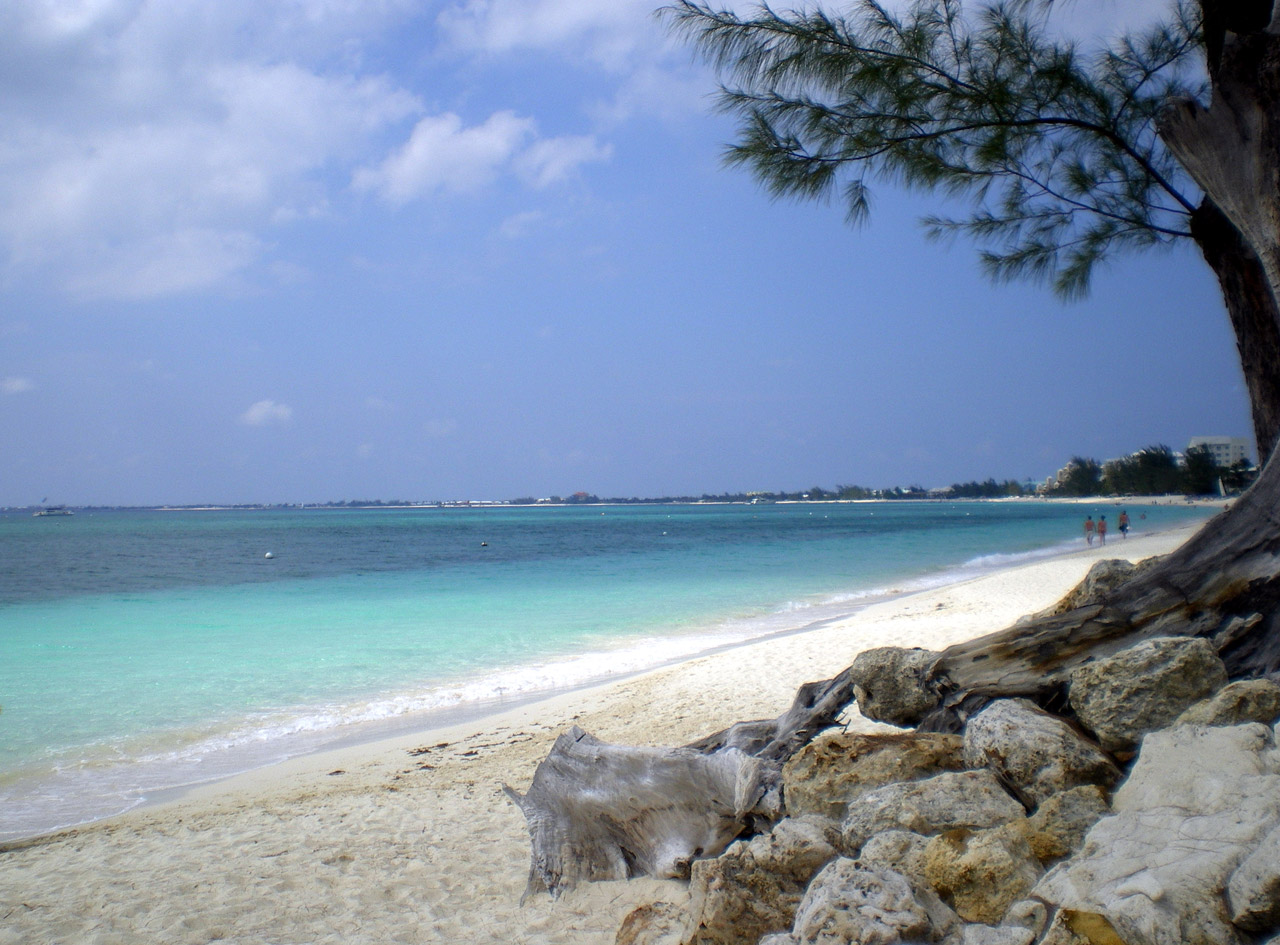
[{"x": 310, "y": 250}]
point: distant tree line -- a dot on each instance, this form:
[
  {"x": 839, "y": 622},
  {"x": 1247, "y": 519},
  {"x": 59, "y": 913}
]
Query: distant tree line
[{"x": 1154, "y": 470}]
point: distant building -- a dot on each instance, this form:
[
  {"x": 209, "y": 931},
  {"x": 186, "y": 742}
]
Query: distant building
[{"x": 1226, "y": 450}]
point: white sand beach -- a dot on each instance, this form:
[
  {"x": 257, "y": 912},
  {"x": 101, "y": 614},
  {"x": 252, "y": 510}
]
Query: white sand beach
[{"x": 412, "y": 840}]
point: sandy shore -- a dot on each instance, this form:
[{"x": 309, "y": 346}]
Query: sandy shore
[{"x": 412, "y": 840}]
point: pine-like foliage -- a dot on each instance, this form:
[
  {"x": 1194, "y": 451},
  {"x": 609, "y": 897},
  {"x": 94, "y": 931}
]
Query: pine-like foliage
[{"x": 1057, "y": 149}]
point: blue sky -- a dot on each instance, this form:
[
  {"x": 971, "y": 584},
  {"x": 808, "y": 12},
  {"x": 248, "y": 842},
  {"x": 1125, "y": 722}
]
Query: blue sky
[{"x": 323, "y": 249}]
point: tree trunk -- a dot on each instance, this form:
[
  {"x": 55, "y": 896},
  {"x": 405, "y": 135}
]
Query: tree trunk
[{"x": 1255, "y": 317}]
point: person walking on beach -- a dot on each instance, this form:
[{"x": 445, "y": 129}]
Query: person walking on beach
[
  {"x": 1102, "y": 529},
  {"x": 1088, "y": 529},
  {"x": 1124, "y": 524}
]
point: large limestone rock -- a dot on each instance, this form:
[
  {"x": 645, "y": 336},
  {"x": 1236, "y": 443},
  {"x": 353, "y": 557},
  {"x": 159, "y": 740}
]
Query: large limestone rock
[
  {"x": 994, "y": 935},
  {"x": 1144, "y": 688},
  {"x": 1199, "y": 802},
  {"x": 753, "y": 888},
  {"x": 903, "y": 852},
  {"x": 847, "y": 903},
  {"x": 1246, "y": 700},
  {"x": 888, "y": 682},
  {"x": 1059, "y": 825},
  {"x": 982, "y": 873},
  {"x": 971, "y": 799},
  {"x": 1253, "y": 892},
  {"x": 1038, "y": 753},
  {"x": 834, "y": 770}
]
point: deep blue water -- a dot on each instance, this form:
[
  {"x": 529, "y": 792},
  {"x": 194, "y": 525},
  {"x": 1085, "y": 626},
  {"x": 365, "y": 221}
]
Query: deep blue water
[{"x": 141, "y": 650}]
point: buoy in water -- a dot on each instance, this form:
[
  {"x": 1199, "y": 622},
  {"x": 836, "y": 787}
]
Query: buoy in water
[{"x": 269, "y": 555}]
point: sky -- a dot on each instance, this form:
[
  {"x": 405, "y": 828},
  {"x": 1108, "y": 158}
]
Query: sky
[{"x": 315, "y": 250}]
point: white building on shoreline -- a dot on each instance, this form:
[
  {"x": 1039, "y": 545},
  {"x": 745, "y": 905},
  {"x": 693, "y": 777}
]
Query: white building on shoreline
[{"x": 1226, "y": 450}]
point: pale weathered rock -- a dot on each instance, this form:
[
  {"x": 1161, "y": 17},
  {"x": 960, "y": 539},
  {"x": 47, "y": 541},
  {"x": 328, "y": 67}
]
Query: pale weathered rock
[
  {"x": 1038, "y": 753},
  {"x": 995, "y": 935},
  {"x": 753, "y": 888},
  {"x": 1030, "y": 914},
  {"x": 981, "y": 873},
  {"x": 847, "y": 903},
  {"x": 1103, "y": 578},
  {"x": 1058, "y": 827},
  {"x": 1198, "y": 802},
  {"x": 834, "y": 770},
  {"x": 904, "y": 852},
  {"x": 888, "y": 682},
  {"x": 899, "y": 850},
  {"x": 1246, "y": 700},
  {"x": 656, "y": 923},
  {"x": 972, "y": 799},
  {"x": 779, "y": 938},
  {"x": 1144, "y": 688},
  {"x": 1253, "y": 892}
]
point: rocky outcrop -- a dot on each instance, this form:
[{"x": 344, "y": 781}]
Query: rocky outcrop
[
  {"x": 1144, "y": 688},
  {"x": 1185, "y": 852},
  {"x": 753, "y": 888},
  {"x": 981, "y": 873},
  {"x": 849, "y": 903},
  {"x": 888, "y": 683},
  {"x": 834, "y": 770},
  {"x": 1198, "y": 803},
  {"x": 1038, "y": 754},
  {"x": 1253, "y": 892},
  {"x": 971, "y": 799},
  {"x": 1058, "y": 827},
  {"x": 1246, "y": 700}
]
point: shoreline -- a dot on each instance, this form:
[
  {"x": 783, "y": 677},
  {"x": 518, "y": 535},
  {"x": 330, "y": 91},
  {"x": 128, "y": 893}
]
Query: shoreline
[
  {"x": 96, "y": 791},
  {"x": 409, "y": 838}
]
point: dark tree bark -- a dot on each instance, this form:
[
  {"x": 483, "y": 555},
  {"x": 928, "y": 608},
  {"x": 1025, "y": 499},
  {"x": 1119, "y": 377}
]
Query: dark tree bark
[{"x": 1254, "y": 315}]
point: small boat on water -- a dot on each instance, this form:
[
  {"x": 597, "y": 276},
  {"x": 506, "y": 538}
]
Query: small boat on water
[{"x": 53, "y": 510}]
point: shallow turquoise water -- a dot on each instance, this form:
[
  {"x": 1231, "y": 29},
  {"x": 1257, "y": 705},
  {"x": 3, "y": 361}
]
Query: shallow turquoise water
[{"x": 143, "y": 650}]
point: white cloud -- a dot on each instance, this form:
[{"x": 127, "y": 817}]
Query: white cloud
[
  {"x": 266, "y": 412},
  {"x": 137, "y": 132},
  {"x": 16, "y": 385},
  {"x": 551, "y": 160},
  {"x": 610, "y": 30},
  {"x": 442, "y": 155}
]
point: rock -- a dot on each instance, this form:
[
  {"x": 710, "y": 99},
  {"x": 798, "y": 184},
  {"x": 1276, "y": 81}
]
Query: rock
[
  {"x": 982, "y": 873},
  {"x": 972, "y": 799},
  {"x": 1144, "y": 688},
  {"x": 1038, "y": 753},
  {"x": 1246, "y": 700},
  {"x": 903, "y": 852},
  {"x": 656, "y": 923},
  {"x": 1030, "y": 914},
  {"x": 888, "y": 682},
  {"x": 1073, "y": 927},
  {"x": 1198, "y": 802},
  {"x": 1253, "y": 892},
  {"x": 847, "y": 903},
  {"x": 899, "y": 850},
  {"x": 834, "y": 770},
  {"x": 753, "y": 888},
  {"x": 1058, "y": 827},
  {"x": 1105, "y": 576},
  {"x": 995, "y": 935},
  {"x": 779, "y": 938}
]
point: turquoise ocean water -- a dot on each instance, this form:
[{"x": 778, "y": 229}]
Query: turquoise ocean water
[{"x": 142, "y": 651}]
